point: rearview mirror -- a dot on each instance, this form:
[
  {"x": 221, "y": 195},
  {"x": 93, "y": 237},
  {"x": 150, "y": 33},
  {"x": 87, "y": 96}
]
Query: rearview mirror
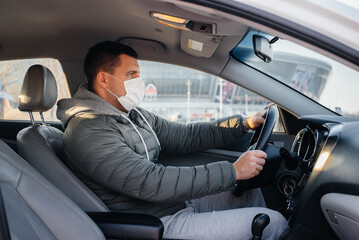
[{"x": 262, "y": 48}]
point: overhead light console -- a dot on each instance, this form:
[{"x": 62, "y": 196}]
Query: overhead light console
[{"x": 184, "y": 24}]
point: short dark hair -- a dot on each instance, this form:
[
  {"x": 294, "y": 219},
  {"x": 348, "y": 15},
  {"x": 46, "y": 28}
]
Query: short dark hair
[{"x": 104, "y": 56}]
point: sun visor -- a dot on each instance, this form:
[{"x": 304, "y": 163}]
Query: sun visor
[{"x": 198, "y": 44}]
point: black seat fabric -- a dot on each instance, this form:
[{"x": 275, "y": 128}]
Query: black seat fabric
[
  {"x": 40, "y": 144},
  {"x": 34, "y": 208},
  {"x": 39, "y": 90}
]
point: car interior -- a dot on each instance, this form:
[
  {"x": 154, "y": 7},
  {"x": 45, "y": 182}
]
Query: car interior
[{"x": 310, "y": 174}]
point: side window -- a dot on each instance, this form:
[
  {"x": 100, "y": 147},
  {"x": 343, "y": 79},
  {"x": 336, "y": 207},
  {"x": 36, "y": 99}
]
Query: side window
[
  {"x": 11, "y": 77},
  {"x": 185, "y": 95}
]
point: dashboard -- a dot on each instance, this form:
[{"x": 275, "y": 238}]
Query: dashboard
[
  {"x": 327, "y": 152},
  {"x": 298, "y": 163}
]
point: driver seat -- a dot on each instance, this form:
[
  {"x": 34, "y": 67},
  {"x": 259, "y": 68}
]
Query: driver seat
[{"x": 40, "y": 144}]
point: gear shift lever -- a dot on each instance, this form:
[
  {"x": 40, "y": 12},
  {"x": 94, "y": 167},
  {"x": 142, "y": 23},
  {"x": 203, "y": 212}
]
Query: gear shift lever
[{"x": 260, "y": 221}]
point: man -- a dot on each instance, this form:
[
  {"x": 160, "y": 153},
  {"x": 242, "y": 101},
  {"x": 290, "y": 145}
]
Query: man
[{"x": 113, "y": 147}]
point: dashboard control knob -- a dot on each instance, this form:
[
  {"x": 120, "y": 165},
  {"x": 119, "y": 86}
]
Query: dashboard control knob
[{"x": 291, "y": 160}]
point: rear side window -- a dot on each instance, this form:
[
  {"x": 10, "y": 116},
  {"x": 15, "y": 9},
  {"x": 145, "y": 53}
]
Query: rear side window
[{"x": 11, "y": 77}]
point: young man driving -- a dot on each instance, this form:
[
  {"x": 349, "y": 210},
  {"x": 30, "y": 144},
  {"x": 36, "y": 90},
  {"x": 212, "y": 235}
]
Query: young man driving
[{"x": 113, "y": 146}]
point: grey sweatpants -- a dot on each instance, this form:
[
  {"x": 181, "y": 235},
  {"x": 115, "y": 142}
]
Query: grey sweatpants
[{"x": 223, "y": 216}]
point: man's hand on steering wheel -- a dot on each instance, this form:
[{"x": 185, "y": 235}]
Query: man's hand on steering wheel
[
  {"x": 249, "y": 164},
  {"x": 255, "y": 120},
  {"x": 254, "y": 160}
]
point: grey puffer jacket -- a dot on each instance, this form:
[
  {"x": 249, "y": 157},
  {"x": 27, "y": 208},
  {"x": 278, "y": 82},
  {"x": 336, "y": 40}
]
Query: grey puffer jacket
[{"x": 115, "y": 155}]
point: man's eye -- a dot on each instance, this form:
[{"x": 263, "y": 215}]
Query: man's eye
[{"x": 130, "y": 74}]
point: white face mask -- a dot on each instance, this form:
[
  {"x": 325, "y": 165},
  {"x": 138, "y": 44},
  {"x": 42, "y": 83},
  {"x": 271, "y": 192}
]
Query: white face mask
[{"x": 135, "y": 89}]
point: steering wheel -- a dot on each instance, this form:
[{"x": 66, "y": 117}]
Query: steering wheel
[
  {"x": 262, "y": 134},
  {"x": 259, "y": 141}
]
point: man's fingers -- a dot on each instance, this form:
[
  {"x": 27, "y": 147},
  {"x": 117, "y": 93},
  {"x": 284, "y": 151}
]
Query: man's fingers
[
  {"x": 260, "y": 161},
  {"x": 251, "y": 122},
  {"x": 259, "y": 154},
  {"x": 263, "y": 113},
  {"x": 259, "y": 168},
  {"x": 261, "y": 121},
  {"x": 260, "y": 117},
  {"x": 250, "y": 164},
  {"x": 255, "y": 120}
]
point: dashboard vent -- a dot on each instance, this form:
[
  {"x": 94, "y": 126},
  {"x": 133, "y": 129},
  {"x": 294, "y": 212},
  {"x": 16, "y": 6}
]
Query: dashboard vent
[{"x": 298, "y": 143}]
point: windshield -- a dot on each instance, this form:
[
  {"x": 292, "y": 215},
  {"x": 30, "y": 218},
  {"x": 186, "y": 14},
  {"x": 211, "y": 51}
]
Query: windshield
[{"x": 320, "y": 78}]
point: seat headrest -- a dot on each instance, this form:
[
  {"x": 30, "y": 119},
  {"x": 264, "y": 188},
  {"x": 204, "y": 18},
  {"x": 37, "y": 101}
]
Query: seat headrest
[{"x": 39, "y": 90}]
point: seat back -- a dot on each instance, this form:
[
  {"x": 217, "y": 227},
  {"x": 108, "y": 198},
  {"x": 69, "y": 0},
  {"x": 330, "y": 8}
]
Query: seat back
[
  {"x": 40, "y": 144},
  {"x": 32, "y": 208}
]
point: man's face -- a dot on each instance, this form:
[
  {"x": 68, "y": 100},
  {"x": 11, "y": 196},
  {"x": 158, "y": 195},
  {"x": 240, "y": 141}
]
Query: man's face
[{"x": 127, "y": 70}]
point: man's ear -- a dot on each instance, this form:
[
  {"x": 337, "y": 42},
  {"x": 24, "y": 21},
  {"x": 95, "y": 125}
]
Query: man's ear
[{"x": 101, "y": 79}]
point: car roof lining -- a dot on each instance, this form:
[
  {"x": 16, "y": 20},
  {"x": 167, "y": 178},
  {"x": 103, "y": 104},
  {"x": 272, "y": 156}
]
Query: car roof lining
[
  {"x": 64, "y": 31},
  {"x": 37, "y": 28},
  {"x": 55, "y": 29},
  {"x": 42, "y": 33}
]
